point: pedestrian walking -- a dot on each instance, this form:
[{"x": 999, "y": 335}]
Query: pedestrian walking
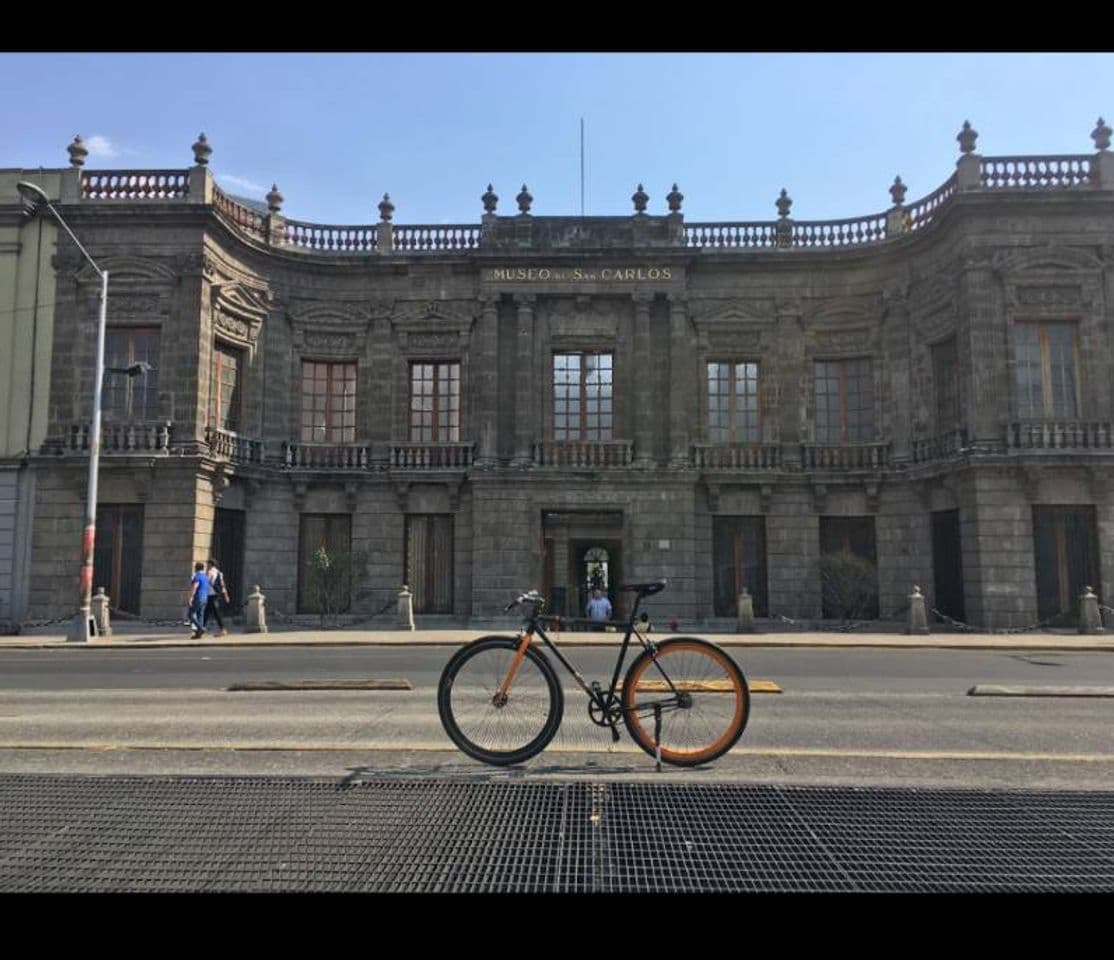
[
  {"x": 218, "y": 595},
  {"x": 197, "y": 599}
]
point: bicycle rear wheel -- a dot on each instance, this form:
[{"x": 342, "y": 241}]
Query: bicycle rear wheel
[
  {"x": 702, "y": 694},
  {"x": 487, "y": 726}
]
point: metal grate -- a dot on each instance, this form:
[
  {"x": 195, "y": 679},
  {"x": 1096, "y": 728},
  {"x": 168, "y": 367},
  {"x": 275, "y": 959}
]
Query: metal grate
[{"x": 269, "y": 834}]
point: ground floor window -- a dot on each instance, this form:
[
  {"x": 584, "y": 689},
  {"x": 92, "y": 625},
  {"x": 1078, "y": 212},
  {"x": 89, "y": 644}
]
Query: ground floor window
[
  {"x": 739, "y": 550},
  {"x": 848, "y": 568},
  {"x": 118, "y": 555},
  {"x": 1065, "y": 547},
  {"x": 429, "y": 561},
  {"x": 324, "y": 563}
]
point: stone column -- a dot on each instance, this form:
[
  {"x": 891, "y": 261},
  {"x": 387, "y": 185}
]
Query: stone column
[
  {"x": 682, "y": 405},
  {"x": 486, "y": 390},
  {"x": 525, "y": 425},
  {"x": 644, "y": 410}
]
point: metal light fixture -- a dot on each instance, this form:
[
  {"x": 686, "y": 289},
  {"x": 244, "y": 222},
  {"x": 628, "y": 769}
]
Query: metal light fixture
[{"x": 82, "y": 628}]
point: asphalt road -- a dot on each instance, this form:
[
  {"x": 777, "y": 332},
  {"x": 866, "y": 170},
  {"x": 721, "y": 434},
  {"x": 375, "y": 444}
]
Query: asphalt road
[{"x": 858, "y": 716}]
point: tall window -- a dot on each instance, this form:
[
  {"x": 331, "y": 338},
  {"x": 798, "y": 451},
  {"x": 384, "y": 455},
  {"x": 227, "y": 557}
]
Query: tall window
[
  {"x": 328, "y": 402},
  {"x": 1046, "y": 362},
  {"x": 124, "y": 397},
  {"x": 582, "y": 396},
  {"x": 945, "y": 362},
  {"x": 435, "y": 402},
  {"x": 844, "y": 401},
  {"x": 227, "y": 407},
  {"x": 733, "y": 402}
]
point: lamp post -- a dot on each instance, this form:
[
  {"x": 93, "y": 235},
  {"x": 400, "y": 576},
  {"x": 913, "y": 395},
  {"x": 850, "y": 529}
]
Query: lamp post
[{"x": 82, "y": 627}]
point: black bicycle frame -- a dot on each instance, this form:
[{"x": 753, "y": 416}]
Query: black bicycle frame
[{"x": 532, "y": 627}]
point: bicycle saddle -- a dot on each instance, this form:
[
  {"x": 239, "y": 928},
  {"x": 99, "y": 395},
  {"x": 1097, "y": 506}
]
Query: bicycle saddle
[{"x": 646, "y": 589}]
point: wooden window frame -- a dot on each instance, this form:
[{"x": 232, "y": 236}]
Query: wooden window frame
[
  {"x": 733, "y": 432},
  {"x": 444, "y": 415},
  {"x": 344, "y": 432},
  {"x": 587, "y": 395},
  {"x": 858, "y": 431}
]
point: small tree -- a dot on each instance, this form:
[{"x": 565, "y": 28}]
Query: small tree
[
  {"x": 336, "y": 579},
  {"x": 849, "y": 586}
]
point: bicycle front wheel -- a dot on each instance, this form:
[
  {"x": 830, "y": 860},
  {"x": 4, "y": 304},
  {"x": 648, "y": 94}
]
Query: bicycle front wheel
[
  {"x": 702, "y": 696},
  {"x": 488, "y": 725}
]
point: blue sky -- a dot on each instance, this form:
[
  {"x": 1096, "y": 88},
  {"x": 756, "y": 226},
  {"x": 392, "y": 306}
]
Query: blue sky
[{"x": 336, "y": 131}]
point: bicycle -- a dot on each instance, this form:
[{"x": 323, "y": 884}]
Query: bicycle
[{"x": 683, "y": 700}]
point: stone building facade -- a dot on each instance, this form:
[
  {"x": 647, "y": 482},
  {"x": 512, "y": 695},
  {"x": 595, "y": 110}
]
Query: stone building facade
[{"x": 562, "y": 402}]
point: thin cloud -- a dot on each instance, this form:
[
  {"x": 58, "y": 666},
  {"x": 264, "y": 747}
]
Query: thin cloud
[
  {"x": 99, "y": 146},
  {"x": 242, "y": 183}
]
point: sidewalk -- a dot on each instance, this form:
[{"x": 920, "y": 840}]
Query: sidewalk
[{"x": 138, "y": 635}]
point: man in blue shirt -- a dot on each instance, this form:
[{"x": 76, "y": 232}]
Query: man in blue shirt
[
  {"x": 199, "y": 597},
  {"x": 599, "y": 607}
]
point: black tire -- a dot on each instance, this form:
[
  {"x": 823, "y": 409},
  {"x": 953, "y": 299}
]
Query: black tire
[
  {"x": 514, "y": 731},
  {"x": 696, "y": 728}
]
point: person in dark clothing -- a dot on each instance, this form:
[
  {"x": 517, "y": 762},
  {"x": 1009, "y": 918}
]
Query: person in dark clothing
[{"x": 218, "y": 595}]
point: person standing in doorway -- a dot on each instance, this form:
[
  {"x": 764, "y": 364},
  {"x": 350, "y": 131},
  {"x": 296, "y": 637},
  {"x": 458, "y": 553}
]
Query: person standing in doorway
[
  {"x": 218, "y": 595},
  {"x": 198, "y": 598},
  {"x": 599, "y": 607}
]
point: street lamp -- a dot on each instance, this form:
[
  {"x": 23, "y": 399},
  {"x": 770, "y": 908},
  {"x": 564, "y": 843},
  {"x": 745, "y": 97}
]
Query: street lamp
[{"x": 82, "y": 627}]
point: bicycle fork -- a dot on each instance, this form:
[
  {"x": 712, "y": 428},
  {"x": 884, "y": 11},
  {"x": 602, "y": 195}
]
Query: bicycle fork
[{"x": 503, "y": 693}]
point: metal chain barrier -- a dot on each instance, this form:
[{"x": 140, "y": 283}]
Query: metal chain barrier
[
  {"x": 968, "y": 628},
  {"x": 845, "y": 626}
]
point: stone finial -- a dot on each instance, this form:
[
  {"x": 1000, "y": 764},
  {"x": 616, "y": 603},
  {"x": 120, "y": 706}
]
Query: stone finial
[
  {"x": 897, "y": 191},
  {"x": 78, "y": 152},
  {"x": 274, "y": 199},
  {"x": 918, "y": 618},
  {"x": 405, "y": 608},
  {"x": 784, "y": 202},
  {"x": 524, "y": 200},
  {"x": 1090, "y": 619},
  {"x": 967, "y": 137},
  {"x": 202, "y": 151},
  {"x": 386, "y": 208},
  {"x": 640, "y": 198},
  {"x": 674, "y": 198},
  {"x": 1101, "y": 135},
  {"x": 490, "y": 199}
]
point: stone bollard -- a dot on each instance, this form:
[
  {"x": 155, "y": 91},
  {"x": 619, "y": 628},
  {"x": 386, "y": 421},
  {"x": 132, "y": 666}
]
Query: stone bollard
[
  {"x": 100, "y": 614},
  {"x": 405, "y": 608},
  {"x": 1090, "y": 620},
  {"x": 918, "y": 621},
  {"x": 255, "y": 614},
  {"x": 745, "y": 622}
]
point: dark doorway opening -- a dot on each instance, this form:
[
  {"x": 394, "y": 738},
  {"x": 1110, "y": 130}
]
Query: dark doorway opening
[
  {"x": 947, "y": 564},
  {"x": 739, "y": 545},
  {"x": 1065, "y": 546},
  {"x": 596, "y": 563},
  {"x": 118, "y": 556},
  {"x": 228, "y": 551},
  {"x": 849, "y": 589}
]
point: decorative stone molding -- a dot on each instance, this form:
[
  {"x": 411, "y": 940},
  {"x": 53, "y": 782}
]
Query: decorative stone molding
[
  {"x": 583, "y": 319},
  {"x": 252, "y": 487},
  {"x": 122, "y": 269},
  {"x": 351, "y": 495},
  {"x": 402, "y": 494},
  {"x": 434, "y": 325},
  {"x": 714, "y": 490},
  {"x": 819, "y": 497},
  {"x": 238, "y": 312},
  {"x": 301, "y": 490},
  {"x": 1101, "y": 483},
  {"x": 765, "y": 496},
  {"x": 872, "y": 488},
  {"x": 1028, "y": 478}
]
